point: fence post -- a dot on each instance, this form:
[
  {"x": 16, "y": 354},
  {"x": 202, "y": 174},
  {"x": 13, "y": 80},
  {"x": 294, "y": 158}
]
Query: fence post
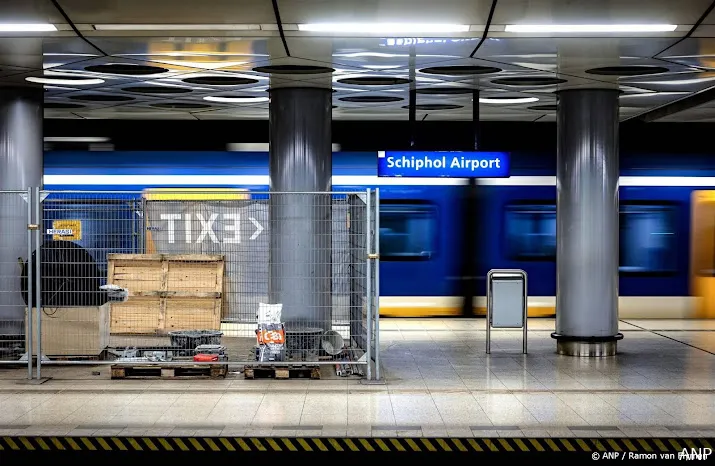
[
  {"x": 368, "y": 290},
  {"x": 38, "y": 279},
  {"x": 29, "y": 328},
  {"x": 376, "y": 291}
]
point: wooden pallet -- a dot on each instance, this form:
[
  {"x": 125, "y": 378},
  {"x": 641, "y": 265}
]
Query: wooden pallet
[
  {"x": 159, "y": 371},
  {"x": 281, "y": 372}
]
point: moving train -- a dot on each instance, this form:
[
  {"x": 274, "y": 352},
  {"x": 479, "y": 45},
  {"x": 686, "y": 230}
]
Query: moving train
[{"x": 667, "y": 217}]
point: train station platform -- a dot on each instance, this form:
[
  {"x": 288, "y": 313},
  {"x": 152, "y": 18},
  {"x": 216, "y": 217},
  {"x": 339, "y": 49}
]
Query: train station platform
[{"x": 438, "y": 382}]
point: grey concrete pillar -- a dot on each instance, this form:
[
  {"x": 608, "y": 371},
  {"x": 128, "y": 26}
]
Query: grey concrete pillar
[
  {"x": 300, "y": 274},
  {"x": 587, "y": 223},
  {"x": 21, "y": 151}
]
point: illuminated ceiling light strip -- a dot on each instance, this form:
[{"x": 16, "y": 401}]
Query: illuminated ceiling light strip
[
  {"x": 603, "y": 28},
  {"x": 66, "y": 82},
  {"x": 236, "y": 100},
  {"x": 76, "y": 139},
  {"x": 383, "y": 28},
  {"x": 518, "y": 100},
  {"x": 35, "y": 27},
  {"x": 178, "y": 27}
]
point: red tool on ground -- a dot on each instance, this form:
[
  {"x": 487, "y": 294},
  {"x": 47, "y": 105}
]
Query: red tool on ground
[{"x": 205, "y": 357}]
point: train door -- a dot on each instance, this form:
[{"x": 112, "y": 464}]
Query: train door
[{"x": 702, "y": 253}]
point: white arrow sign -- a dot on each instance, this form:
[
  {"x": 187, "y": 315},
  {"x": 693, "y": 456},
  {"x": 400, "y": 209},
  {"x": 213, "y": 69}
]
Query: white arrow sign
[{"x": 259, "y": 228}]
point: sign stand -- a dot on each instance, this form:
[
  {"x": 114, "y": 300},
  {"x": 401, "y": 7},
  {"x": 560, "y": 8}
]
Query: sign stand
[{"x": 506, "y": 302}]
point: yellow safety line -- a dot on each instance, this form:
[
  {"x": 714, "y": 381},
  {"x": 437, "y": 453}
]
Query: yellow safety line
[
  {"x": 474, "y": 444},
  {"x": 336, "y": 444},
  {"x": 119, "y": 443},
  {"x": 552, "y": 445},
  {"x": 366, "y": 444},
  {"x": 584, "y": 446},
  {"x": 521, "y": 444},
  {"x": 354, "y": 447},
  {"x": 630, "y": 445},
  {"x": 567, "y": 444},
  {"x": 613, "y": 445},
  {"x": 258, "y": 444},
  {"x": 505, "y": 444},
  {"x": 382, "y": 445},
  {"x": 134, "y": 444},
  {"x": 302, "y": 443},
  {"x": 27, "y": 444},
  {"x": 73, "y": 444},
  {"x": 181, "y": 444},
  {"x": 211, "y": 444},
  {"x": 706, "y": 443},
  {"x": 167, "y": 446},
  {"x": 42, "y": 443},
  {"x": 11, "y": 443},
  {"x": 397, "y": 444},
  {"x": 660, "y": 444},
  {"x": 196, "y": 444},
  {"x": 320, "y": 444},
  {"x": 244, "y": 446},
  {"x": 445, "y": 446},
  {"x": 274, "y": 445},
  {"x": 459, "y": 445},
  {"x": 227, "y": 444},
  {"x": 429, "y": 446},
  {"x": 689, "y": 443},
  {"x": 536, "y": 444},
  {"x": 87, "y": 443},
  {"x": 644, "y": 444},
  {"x": 675, "y": 444},
  {"x": 598, "y": 444}
]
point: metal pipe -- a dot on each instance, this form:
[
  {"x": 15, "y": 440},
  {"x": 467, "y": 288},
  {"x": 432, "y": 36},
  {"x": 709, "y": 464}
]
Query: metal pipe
[
  {"x": 377, "y": 284},
  {"x": 368, "y": 290}
]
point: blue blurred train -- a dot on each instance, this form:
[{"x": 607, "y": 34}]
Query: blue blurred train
[{"x": 421, "y": 220}]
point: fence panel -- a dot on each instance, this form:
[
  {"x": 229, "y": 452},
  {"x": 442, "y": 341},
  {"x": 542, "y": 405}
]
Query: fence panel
[
  {"x": 15, "y": 218},
  {"x": 205, "y": 267}
]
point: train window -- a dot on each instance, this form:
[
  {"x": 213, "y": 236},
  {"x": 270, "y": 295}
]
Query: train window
[
  {"x": 408, "y": 231},
  {"x": 531, "y": 231},
  {"x": 647, "y": 236}
]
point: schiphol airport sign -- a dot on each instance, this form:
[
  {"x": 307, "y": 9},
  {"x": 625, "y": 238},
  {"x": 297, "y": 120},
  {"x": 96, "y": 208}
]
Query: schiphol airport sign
[{"x": 443, "y": 164}]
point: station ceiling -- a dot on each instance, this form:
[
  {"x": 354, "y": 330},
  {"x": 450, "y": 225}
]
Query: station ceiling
[{"x": 216, "y": 59}]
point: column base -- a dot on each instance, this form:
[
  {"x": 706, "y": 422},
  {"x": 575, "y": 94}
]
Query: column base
[{"x": 587, "y": 347}]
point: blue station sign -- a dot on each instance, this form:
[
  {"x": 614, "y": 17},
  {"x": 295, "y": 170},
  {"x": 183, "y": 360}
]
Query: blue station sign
[{"x": 443, "y": 164}]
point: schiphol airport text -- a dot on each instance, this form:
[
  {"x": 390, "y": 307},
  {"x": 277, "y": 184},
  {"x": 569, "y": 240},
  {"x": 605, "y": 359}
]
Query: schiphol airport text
[{"x": 451, "y": 162}]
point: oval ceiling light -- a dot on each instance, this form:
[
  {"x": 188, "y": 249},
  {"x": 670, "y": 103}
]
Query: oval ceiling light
[
  {"x": 102, "y": 98},
  {"x": 157, "y": 90},
  {"x": 529, "y": 81},
  {"x": 64, "y": 80},
  {"x": 590, "y": 28},
  {"x": 293, "y": 69},
  {"x": 180, "y": 106},
  {"x": 383, "y": 28},
  {"x": 436, "y": 106},
  {"x": 445, "y": 90},
  {"x": 62, "y": 105},
  {"x": 627, "y": 70},
  {"x": 220, "y": 80},
  {"x": 236, "y": 100},
  {"x": 544, "y": 108},
  {"x": 460, "y": 70},
  {"x": 371, "y": 99},
  {"x": 374, "y": 81},
  {"x": 507, "y": 100},
  {"x": 126, "y": 69}
]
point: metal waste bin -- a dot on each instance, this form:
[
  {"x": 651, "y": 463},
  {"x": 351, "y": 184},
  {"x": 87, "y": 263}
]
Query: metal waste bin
[{"x": 506, "y": 302}]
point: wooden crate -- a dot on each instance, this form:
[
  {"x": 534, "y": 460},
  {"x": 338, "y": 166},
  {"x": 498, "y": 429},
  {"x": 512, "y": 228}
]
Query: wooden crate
[
  {"x": 159, "y": 371},
  {"x": 166, "y": 292},
  {"x": 72, "y": 331}
]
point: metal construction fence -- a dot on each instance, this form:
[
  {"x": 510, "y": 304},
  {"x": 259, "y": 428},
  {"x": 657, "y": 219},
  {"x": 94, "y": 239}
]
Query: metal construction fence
[{"x": 164, "y": 275}]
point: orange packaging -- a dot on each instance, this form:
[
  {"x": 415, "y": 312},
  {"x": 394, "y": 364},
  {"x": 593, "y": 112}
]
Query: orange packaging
[{"x": 268, "y": 336}]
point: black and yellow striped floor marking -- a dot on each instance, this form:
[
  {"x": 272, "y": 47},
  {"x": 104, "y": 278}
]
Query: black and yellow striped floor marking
[{"x": 351, "y": 444}]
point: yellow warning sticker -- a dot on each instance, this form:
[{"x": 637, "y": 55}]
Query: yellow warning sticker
[{"x": 66, "y": 230}]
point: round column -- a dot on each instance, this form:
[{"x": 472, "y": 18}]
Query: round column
[
  {"x": 587, "y": 232},
  {"x": 300, "y": 161},
  {"x": 21, "y": 154}
]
